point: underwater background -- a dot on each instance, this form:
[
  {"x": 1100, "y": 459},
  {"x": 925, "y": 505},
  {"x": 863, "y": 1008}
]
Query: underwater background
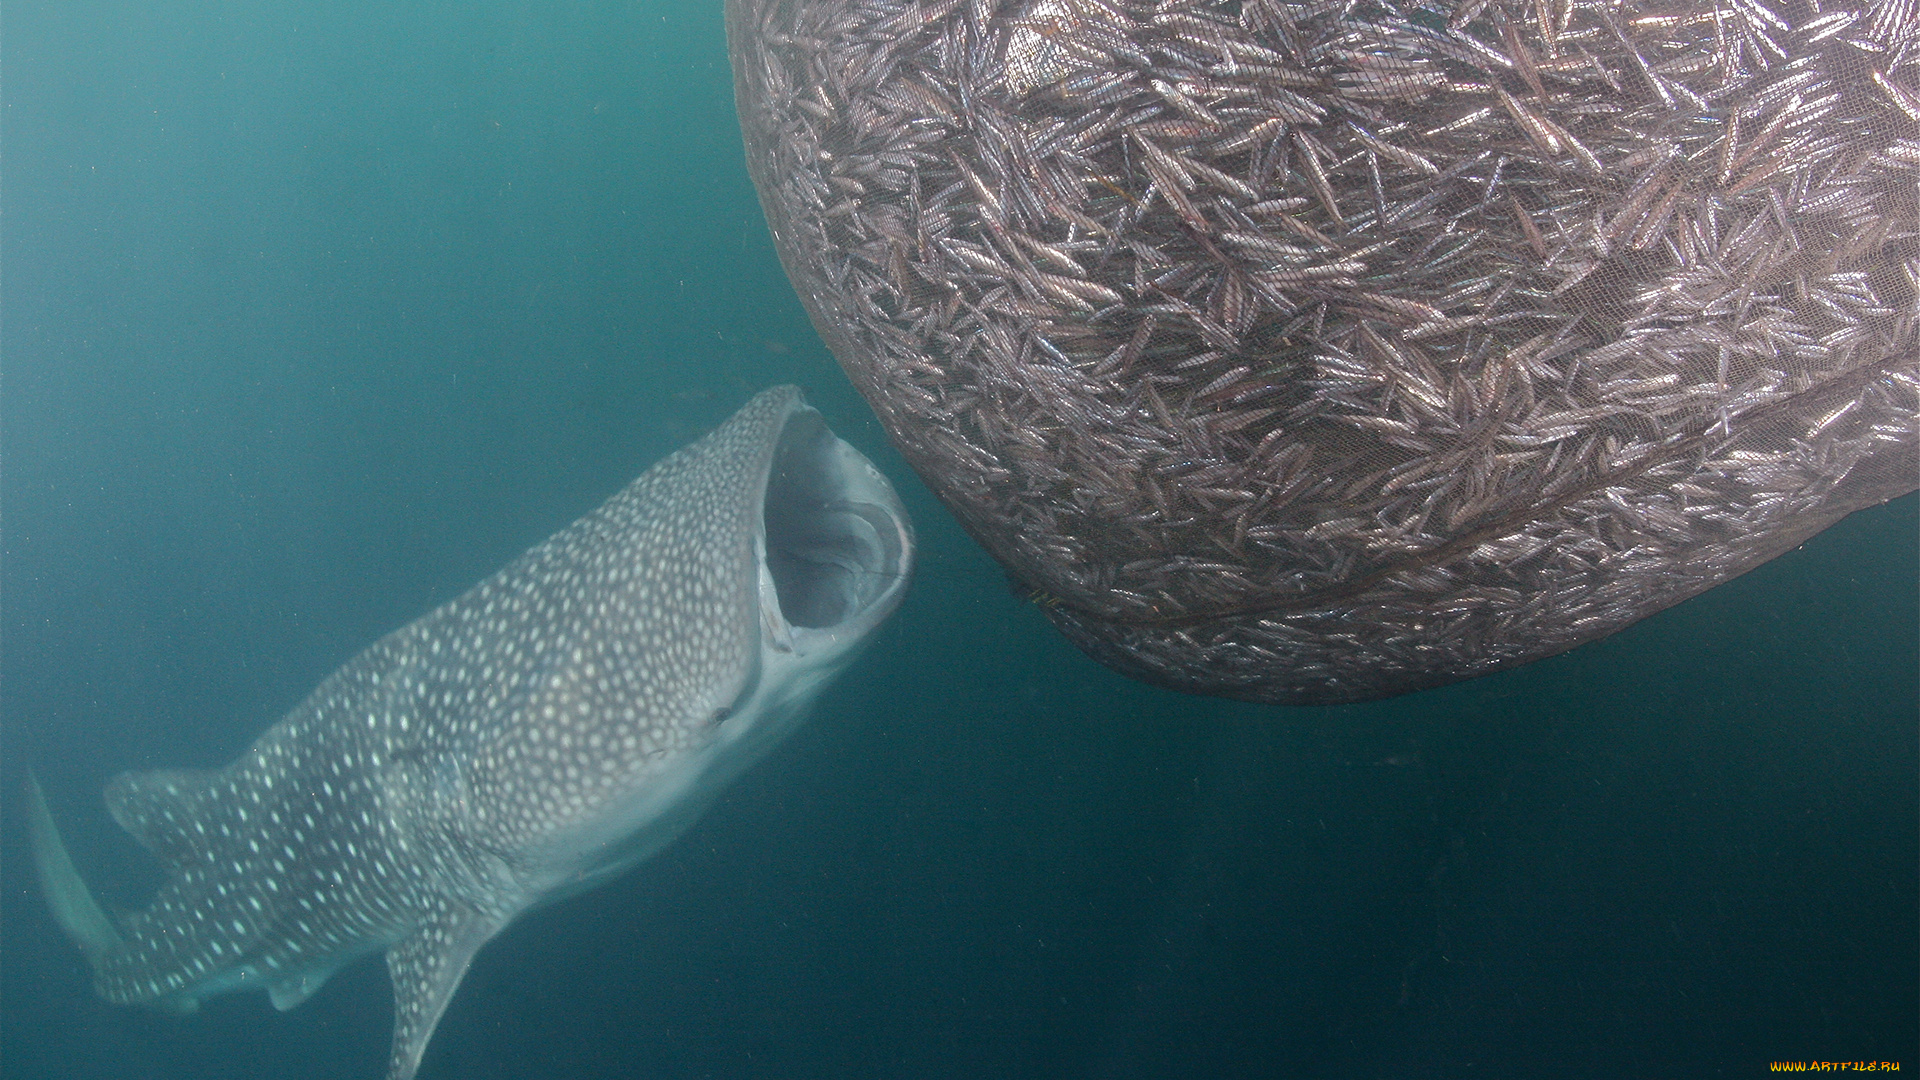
[{"x": 314, "y": 314}]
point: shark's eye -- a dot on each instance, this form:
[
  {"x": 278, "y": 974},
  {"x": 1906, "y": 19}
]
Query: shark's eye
[{"x": 719, "y": 716}]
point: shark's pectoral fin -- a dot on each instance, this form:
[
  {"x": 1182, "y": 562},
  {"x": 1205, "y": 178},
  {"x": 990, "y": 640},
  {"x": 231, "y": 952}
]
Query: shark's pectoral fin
[{"x": 426, "y": 967}]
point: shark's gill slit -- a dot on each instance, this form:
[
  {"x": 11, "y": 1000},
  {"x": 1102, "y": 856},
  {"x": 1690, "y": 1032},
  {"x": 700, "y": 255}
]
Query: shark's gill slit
[{"x": 834, "y": 537}]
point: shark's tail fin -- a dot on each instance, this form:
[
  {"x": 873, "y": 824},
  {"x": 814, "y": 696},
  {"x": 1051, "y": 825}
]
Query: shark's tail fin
[{"x": 73, "y": 906}]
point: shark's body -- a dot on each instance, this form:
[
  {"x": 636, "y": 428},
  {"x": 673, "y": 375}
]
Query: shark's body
[{"x": 558, "y": 723}]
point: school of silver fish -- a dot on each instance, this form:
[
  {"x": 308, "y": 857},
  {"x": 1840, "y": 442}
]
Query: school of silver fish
[{"x": 1322, "y": 351}]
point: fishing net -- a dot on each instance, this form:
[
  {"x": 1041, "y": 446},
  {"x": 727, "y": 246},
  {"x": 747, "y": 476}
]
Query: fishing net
[{"x": 1321, "y": 351}]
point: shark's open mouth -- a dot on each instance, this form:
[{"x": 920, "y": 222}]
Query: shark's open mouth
[{"x": 837, "y": 540}]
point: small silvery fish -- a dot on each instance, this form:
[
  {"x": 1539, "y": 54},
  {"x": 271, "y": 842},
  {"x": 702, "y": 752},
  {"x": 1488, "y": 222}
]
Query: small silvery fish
[{"x": 1632, "y": 286}]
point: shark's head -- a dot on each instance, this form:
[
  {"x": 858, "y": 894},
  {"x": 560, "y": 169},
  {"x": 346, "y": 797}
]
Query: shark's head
[{"x": 710, "y": 602}]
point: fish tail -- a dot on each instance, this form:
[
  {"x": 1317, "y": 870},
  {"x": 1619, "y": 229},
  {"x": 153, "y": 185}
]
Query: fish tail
[{"x": 74, "y": 907}]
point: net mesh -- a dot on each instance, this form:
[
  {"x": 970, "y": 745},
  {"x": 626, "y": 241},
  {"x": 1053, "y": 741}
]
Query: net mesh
[{"x": 1313, "y": 352}]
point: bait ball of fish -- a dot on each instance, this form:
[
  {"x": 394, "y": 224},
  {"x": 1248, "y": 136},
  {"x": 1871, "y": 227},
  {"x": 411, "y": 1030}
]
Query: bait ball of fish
[{"x": 1320, "y": 351}]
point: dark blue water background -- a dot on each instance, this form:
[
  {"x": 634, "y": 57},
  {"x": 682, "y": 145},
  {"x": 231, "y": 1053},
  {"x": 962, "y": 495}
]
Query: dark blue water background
[{"x": 316, "y": 313}]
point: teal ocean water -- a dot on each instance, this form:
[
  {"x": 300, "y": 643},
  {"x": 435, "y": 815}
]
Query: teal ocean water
[{"x": 314, "y": 314}]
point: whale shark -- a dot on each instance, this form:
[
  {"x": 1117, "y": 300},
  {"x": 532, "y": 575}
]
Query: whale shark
[{"x": 550, "y": 728}]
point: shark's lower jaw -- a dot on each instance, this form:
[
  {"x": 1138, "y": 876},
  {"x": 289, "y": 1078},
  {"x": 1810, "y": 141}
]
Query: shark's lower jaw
[{"x": 559, "y": 722}]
